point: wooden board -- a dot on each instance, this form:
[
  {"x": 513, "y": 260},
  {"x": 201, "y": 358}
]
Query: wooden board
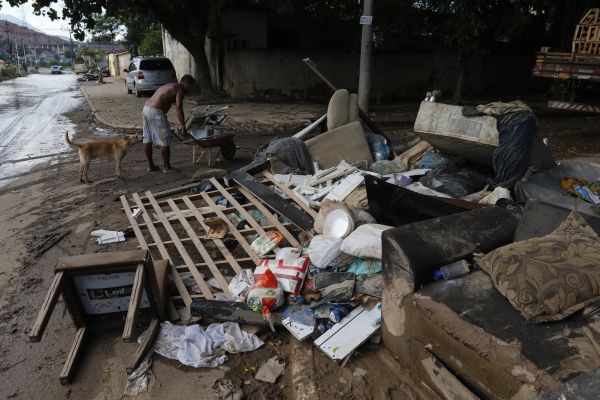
[{"x": 274, "y": 201}]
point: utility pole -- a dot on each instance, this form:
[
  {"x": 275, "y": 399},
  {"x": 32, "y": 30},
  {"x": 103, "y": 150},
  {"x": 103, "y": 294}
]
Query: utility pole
[{"x": 364, "y": 77}]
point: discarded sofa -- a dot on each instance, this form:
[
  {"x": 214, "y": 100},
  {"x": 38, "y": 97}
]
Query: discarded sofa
[{"x": 462, "y": 338}]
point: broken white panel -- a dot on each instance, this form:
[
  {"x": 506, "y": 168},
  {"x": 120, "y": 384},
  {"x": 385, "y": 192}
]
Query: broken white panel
[
  {"x": 352, "y": 331},
  {"x": 342, "y": 169},
  {"x": 300, "y": 331},
  {"x": 292, "y": 179},
  {"x": 136, "y": 212},
  {"x": 345, "y": 187}
]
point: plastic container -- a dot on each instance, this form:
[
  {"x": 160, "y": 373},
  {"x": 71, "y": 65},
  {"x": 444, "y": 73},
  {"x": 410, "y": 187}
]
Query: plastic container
[
  {"x": 338, "y": 224},
  {"x": 451, "y": 271}
]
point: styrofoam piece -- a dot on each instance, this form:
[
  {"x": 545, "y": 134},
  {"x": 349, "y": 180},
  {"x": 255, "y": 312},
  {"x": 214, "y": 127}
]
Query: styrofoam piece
[
  {"x": 115, "y": 237},
  {"x": 352, "y": 331},
  {"x": 345, "y": 187},
  {"x": 136, "y": 212},
  {"x": 102, "y": 232}
]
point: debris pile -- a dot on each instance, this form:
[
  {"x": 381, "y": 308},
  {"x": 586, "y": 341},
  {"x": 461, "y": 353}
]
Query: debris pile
[{"x": 331, "y": 242}]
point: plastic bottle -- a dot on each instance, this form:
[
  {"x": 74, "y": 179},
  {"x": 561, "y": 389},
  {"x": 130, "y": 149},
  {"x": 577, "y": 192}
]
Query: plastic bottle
[{"x": 451, "y": 271}]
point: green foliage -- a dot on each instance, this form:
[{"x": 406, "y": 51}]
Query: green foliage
[
  {"x": 106, "y": 28},
  {"x": 94, "y": 56},
  {"x": 152, "y": 42},
  {"x": 10, "y": 71}
]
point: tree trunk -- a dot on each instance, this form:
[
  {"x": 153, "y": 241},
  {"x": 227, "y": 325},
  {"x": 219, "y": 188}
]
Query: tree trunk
[
  {"x": 206, "y": 83},
  {"x": 462, "y": 74}
]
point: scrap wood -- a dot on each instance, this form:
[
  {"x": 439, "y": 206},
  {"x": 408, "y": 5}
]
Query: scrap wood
[
  {"x": 412, "y": 156},
  {"x": 183, "y": 237}
]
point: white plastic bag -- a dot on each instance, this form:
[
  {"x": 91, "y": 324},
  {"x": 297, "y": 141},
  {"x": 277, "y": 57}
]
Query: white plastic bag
[
  {"x": 365, "y": 241},
  {"x": 323, "y": 250}
]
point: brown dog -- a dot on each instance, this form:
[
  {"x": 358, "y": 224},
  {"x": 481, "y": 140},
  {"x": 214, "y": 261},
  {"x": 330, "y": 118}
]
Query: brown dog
[{"x": 88, "y": 151}]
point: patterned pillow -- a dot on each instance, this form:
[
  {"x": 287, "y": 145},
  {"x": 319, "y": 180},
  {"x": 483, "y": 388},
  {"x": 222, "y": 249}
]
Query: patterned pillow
[{"x": 550, "y": 277}]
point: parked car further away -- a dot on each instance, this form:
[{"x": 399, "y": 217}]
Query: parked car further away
[
  {"x": 56, "y": 69},
  {"x": 146, "y": 74},
  {"x": 80, "y": 69}
]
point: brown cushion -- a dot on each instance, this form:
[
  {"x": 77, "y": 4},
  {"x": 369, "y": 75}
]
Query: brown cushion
[{"x": 550, "y": 277}]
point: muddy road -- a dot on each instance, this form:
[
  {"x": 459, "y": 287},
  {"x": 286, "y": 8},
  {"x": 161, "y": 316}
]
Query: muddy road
[{"x": 32, "y": 121}]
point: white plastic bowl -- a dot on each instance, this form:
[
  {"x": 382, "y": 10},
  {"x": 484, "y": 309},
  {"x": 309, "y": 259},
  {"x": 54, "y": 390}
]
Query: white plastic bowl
[{"x": 338, "y": 224}]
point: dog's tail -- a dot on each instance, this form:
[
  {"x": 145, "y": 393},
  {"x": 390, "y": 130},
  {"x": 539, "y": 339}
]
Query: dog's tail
[{"x": 68, "y": 141}]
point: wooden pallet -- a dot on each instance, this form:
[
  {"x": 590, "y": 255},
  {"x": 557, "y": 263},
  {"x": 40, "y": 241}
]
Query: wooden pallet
[
  {"x": 173, "y": 229},
  {"x": 586, "y": 39}
]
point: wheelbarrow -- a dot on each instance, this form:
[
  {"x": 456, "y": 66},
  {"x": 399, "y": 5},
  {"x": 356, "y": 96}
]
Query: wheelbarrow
[{"x": 208, "y": 137}]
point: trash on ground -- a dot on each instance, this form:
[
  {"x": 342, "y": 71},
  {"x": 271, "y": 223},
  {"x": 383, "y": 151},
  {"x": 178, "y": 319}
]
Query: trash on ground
[
  {"x": 106, "y": 236},
  {"x": 266, "y": 295},
  {"x": 266, "y": 242},
  {"x": 217, "y": 228},
  {"x": 270, "y": 370},
  {"x": 199, "y": 347},
  {"x": 227, "y": 390},
  {"x": 142, "y": 379}
]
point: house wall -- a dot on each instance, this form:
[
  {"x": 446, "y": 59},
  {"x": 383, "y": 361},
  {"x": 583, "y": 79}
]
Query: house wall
[
  {"x": 282, "y": 74},
  {"x": 123, "y": 61}
]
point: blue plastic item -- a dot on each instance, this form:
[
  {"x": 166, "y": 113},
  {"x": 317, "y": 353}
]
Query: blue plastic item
[
  {"x": 379, "y": 148},
  {"x": 451, "y": 271}
]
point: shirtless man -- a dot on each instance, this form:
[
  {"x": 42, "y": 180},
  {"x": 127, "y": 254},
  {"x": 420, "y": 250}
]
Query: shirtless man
[{"x": 156, "y": 126}]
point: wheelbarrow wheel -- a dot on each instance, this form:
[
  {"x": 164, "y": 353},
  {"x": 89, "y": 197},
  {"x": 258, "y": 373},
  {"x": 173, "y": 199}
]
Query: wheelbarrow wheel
[{"x": 228, "y": 150}]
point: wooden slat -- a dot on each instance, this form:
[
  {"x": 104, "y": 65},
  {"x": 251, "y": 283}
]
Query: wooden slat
[
  {"x": 218, "y": 262},
  {"x": 73, "y": 356},
  {"x": 200, "y": 247},
  {"x": 35, "y": 335},
  {"x": 291, "y": 194},
  {"x": 134, "y": 302},
  {"x": 227, "y": 210},
  {"x": 272, "y": 218},
  {"x": 145, "y": 346},
  {"x": 244, "y": 232},
  {"x": 182, "y": 251},
  {"x": 218, "y": 242},
  {"x": 161, "y": 247},
  {"x": 238, "y": 236},
  {"x": 253, "y": 223}
]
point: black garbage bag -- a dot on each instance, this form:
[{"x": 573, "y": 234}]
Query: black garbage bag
[
  {"x": 294, "y": 153},
  {"x": 512, "y": 157},
  {"x": 519, "y": 146},
  {"x": 455, "y": 182}
]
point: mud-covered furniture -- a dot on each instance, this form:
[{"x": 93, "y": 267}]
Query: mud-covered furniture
[{"x": 461, "y": 337}]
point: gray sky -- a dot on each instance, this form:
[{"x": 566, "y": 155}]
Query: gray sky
[{"x": 41, "y": 23}]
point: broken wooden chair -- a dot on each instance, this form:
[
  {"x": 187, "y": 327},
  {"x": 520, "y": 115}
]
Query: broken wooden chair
[{"x": 98, "y": 290}]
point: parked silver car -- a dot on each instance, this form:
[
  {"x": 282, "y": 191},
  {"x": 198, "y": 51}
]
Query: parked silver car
[{"x": 146, "y": 74}]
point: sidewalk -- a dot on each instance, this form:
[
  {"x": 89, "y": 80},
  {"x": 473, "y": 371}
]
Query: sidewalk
[{"x": 112, "y": 106}]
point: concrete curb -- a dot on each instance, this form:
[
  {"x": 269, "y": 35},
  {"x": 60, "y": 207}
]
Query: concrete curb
[{"x": 98, "y": 116}]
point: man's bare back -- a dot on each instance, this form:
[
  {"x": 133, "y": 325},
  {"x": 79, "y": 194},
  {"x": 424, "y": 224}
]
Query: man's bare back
[{"x": 164, "y": 97}]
